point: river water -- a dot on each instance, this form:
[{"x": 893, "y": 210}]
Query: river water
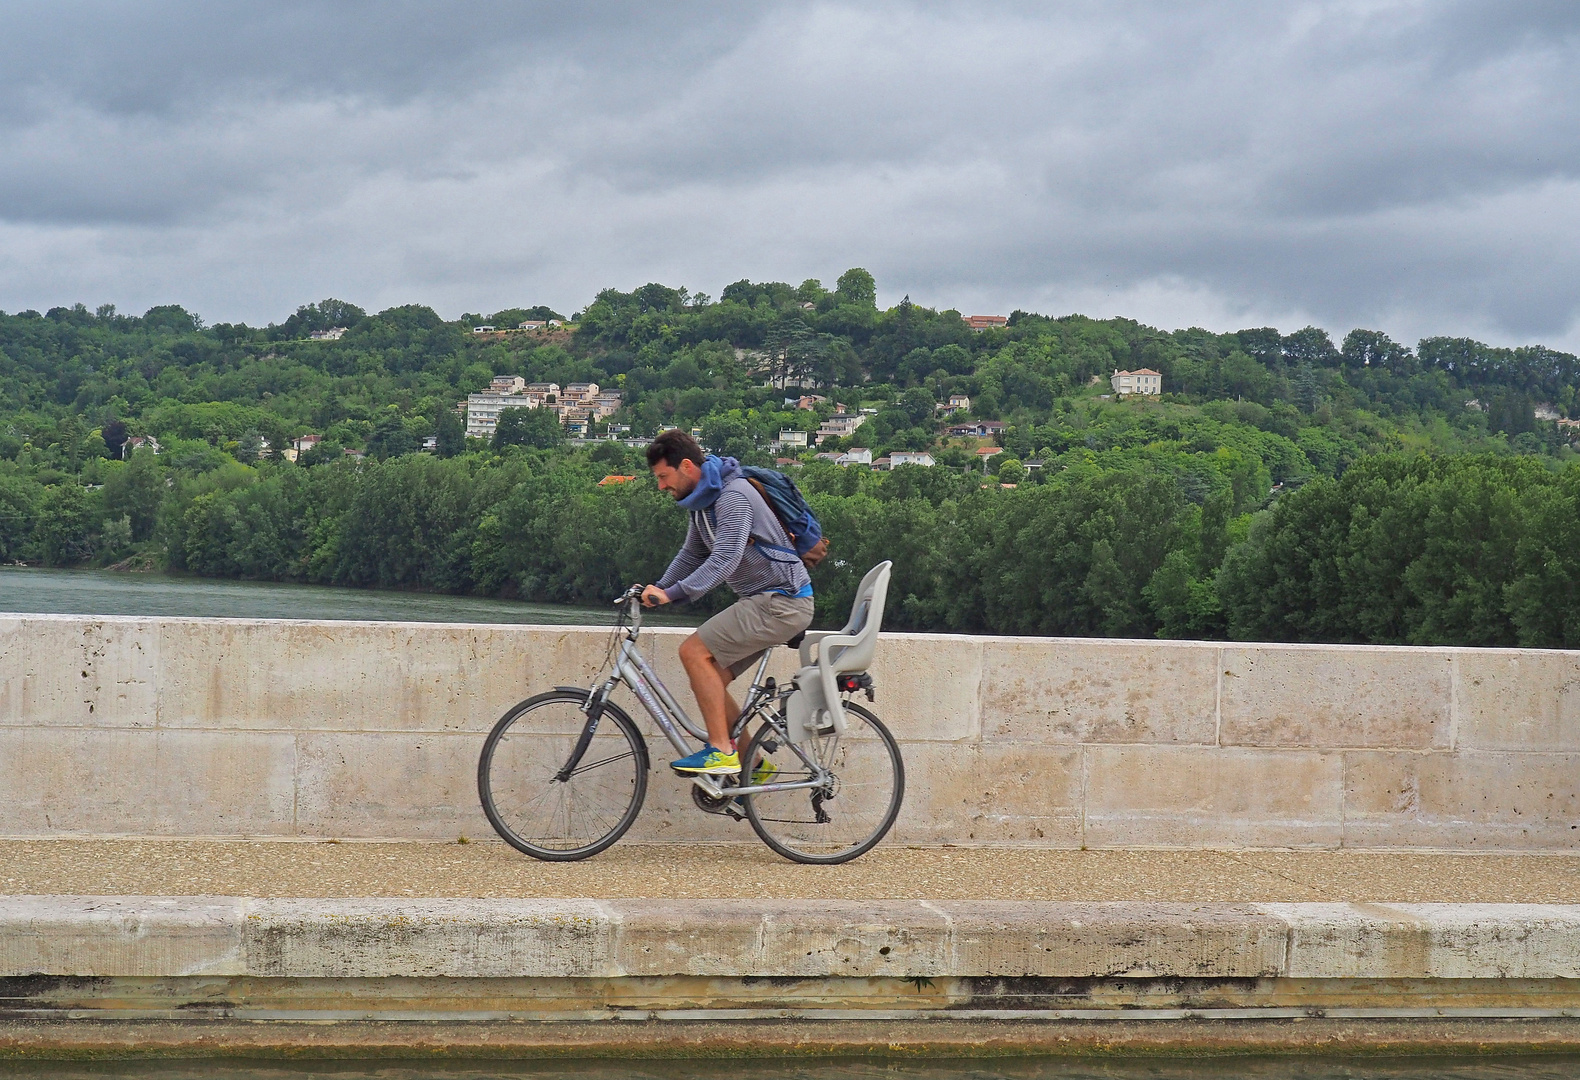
[
  {"x": 104, "y": 592},
  {"x": 1480, "y": 1068}
]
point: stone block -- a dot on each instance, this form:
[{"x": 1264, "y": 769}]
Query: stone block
[
  {"x": 687, "y": 937},
  {"x": 1123, "y": 939},
  {"x": 421, "y": 785},
  {"x": 1525, "y": 699},
  {"x": 361, "y": 676},
  {"x": 897, "y": 938},
  {"x": 132, "y": 782},
  {"x": 989, "y": 793},
  {"x": 213, "y": 783},
  {"x": 1472, "y": 800},
  {"x": 928, "y": 686},
  {"x": 1076, "y": 691},
  {"x": 57, "y": 781},
  {"x": 376, "y": 938},
  {"x": 1431, "y": 941},
  {"x": 77, "y": 670},
  {"x": 109, "y": 936},
  {"x": 1325, "y": 696},
  {"x": 1203, "y": 797}
]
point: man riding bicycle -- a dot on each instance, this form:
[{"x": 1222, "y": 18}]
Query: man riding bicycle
[{"x": 734, "y": 538}]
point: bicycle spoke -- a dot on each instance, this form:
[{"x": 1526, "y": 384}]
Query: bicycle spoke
[
  {"x": 865, "y": 783},
  {"x": 548, "y": 817}
]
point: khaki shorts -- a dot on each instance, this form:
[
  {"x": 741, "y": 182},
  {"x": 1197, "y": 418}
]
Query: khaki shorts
[{"x": 740, "y": 634}]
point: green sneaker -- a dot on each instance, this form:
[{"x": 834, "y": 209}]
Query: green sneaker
[{"x": 766, "y": 770}]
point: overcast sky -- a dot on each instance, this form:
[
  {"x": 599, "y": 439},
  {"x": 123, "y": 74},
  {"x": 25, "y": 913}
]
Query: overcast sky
[{"x": 1405, "y": 166}]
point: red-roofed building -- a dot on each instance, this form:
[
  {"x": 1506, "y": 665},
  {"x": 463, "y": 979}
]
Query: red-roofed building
[
  {"x": 986, "y": 322},
  {"x": 1143, "y": 381}
]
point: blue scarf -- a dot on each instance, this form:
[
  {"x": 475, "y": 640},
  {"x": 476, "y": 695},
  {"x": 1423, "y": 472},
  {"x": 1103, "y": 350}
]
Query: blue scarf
[{"x": 716, "y": 472}]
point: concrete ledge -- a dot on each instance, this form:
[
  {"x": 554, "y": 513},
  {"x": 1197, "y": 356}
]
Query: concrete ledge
[
  {"x": 157, "y": 937},
  {"x": 130, "y": 976}
]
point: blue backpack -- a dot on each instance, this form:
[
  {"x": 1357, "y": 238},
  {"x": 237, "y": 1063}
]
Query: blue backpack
[{"x": 784, "y": 499}]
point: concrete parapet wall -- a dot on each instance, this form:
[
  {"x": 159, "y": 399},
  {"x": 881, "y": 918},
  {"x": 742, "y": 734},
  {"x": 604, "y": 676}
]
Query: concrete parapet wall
[{"x": 212, "y": 727}]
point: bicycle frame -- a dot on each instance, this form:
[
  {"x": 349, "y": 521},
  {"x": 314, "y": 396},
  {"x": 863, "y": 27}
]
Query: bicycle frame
[{"x": 632, "y": 669}]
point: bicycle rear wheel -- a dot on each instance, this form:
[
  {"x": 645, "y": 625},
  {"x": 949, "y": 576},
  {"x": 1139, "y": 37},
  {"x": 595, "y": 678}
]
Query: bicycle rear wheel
[
  {"x": 536, "y": 811},
  {"x": 845, "y": 818}
]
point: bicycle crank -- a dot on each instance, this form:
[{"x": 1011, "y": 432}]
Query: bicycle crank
[{"x": 715, "y": 804}]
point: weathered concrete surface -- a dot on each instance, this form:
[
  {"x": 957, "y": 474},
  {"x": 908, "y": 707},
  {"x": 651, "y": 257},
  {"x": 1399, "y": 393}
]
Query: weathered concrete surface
[
  {"x": 214, "y": 727},
  {"x": 144, "y": 975},
  {"x": 153, "y": 937},
  {"x": 127, "y": 976},
  {"x": 697, "y": 1041},
  {"x": 750, "y": 872}
]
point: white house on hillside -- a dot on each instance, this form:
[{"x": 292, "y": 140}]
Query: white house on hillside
[
  {"x": 482, "y": 411},
  {"x": 840, "y": 425},
  {"x": 1143, "y": 381}
]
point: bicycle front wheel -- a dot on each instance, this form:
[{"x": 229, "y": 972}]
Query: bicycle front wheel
[
  {"x": 845, "y": 817},
  {"x": 534, "y": 808}
]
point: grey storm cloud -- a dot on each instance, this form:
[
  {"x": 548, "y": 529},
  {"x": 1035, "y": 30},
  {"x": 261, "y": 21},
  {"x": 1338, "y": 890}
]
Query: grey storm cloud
[{"x": 1408, "y": 166}]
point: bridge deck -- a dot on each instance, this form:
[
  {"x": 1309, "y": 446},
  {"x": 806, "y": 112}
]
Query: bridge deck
[{"x": 488, "y": 869}]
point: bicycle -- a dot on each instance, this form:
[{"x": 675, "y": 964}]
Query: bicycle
[{"x": 562, "y": 775}]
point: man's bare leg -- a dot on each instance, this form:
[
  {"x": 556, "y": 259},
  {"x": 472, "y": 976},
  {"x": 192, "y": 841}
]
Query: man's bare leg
[{"x": 710, "y": 683}]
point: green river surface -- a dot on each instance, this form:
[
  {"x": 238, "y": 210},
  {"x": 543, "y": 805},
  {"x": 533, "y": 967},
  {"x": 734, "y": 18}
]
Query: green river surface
[
  {"x": 1480, "y": 1068},
  {"x": 105, "y": 592}
]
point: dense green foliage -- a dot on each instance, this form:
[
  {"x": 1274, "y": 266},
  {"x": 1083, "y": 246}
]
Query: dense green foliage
[{"x": 1284, "y": 488}]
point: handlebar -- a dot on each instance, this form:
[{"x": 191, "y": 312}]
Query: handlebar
[{"x": 633, "y": 597}]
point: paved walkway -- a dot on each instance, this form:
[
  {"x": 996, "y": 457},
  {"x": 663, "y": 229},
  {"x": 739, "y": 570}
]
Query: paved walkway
[{"x": 747, "y": 871}]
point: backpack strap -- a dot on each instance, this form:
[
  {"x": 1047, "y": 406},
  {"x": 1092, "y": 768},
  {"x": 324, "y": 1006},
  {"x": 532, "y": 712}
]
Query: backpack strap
[
  {"x": 762, "y": 493},
  {"x": 708, "y": 519}
]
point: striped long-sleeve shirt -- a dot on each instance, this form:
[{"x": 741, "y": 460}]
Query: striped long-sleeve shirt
[{"x": 717, "y": 549}]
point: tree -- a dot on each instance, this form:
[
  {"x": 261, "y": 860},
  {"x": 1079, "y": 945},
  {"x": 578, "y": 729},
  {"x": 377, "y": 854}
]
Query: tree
[
  {"x": 134, "y": 491},
  {"x": 537, "y": 428},
  {"x": 248, "y": 447},
  {"x": 729, "y": 437},
  {"x": 19, "y": 499},
  {"x": 1310, "y": 346},
  {"x": 1307, "y": 388},
  {"x": 63, "y": 535},
  {"x": 322, "y": 453},
  {"x": 325, "y": 315},
  {"x": 917, "y": 405},
  {"x": 1377, "y": 351},
  {"x": 857, "y": 288},
  {"x": 390, "y": 437},
  {"x": 449, "y": 433},
  {"x": 114, "y": 435}
]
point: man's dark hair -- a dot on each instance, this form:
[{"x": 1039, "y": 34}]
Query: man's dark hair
[{"x": 673, "y": 447}]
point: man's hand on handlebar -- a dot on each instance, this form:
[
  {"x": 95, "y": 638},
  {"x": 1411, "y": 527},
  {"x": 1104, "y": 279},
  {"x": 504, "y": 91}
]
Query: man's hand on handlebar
[{"x": 653, "y": 596}]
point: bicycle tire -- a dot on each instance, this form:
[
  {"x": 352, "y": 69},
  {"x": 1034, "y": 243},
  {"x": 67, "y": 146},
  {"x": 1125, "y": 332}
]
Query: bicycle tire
[
  {"x": 543, "y": 753},
  {"x": 762, "y": 810}
]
